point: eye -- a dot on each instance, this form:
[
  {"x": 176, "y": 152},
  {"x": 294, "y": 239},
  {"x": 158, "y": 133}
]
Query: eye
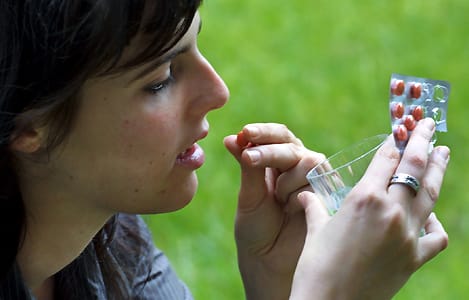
[{"x": 160, "y": 86}]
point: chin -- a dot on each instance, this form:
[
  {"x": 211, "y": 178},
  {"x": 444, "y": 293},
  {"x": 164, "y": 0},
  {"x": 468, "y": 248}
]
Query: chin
[{"x": 178, "y": 197}]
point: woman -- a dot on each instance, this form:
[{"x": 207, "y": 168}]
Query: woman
[{"x": 102, "y": 105}]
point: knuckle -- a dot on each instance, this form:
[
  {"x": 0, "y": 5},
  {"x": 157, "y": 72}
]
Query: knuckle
[
  {"x": 432, "y": 190},
  {"x": 282, "y": 129},
  {"x": 375, "y": 196},
  {"x": 368, "y": 199},
  {"x": 391, "y": 153},
  {"x": 312, "y": 158},
  {"x": 318, "y": 157},
  {"x": 418, "y": 160},
  {"x": 308, "y": 161},
  {"x": 298, "y": 141},
  {"x": 296, "y": 151},
  {"x": 396, "y": 217}
]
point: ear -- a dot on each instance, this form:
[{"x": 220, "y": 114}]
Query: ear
[{"x": 28, "y": 141}]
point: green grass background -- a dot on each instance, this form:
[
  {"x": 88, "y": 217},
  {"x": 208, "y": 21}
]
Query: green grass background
[{"x": 322, "y": 68}]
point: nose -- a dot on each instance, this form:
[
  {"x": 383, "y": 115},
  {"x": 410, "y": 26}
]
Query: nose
[{"x": 208, "y": 88}]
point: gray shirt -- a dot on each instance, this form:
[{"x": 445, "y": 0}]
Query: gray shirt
[{"x": 133, "y": 266}]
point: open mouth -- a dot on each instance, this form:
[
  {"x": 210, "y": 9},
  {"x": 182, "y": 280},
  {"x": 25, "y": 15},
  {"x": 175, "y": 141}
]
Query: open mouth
[
  {"x": 187, "y": 153},
  {"x": 193, "y": 157}
]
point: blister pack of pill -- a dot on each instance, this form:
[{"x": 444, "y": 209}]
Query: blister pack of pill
[{"x": 412, "y": 99}]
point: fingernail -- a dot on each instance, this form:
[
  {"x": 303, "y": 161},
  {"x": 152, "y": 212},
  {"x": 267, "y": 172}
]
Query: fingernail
[
  {"x": 254, "y": 155},
  {"x": 443, "y": 152}
]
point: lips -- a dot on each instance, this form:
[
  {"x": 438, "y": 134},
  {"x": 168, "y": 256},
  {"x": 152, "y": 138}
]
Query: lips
[
  {"x": 192, "y": 158},
  {"x": 187, "y": 153}
]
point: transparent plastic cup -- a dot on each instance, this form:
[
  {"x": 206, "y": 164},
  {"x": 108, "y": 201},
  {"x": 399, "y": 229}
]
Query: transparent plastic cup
[{"x": 333, "y": 178}]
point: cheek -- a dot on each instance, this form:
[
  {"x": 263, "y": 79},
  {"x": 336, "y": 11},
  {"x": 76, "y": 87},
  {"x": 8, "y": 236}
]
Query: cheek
[{"x": 149, "y": 136}]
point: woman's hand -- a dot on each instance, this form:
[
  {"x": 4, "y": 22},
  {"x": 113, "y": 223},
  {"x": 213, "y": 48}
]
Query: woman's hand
[
  {"x": 371, "y": 247},
  {"x": 270, "y": 224}
]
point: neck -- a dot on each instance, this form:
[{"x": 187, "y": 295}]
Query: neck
[
  {"x": 57, "y": 231},
  {"x": 46, "y": 290}
]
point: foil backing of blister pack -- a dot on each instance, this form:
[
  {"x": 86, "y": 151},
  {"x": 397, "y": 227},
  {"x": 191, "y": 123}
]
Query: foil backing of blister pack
[{"x": 412, "y": 99}]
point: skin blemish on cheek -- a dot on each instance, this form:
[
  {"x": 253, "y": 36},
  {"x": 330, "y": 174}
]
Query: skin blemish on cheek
[{"x": 136, "y": 190}]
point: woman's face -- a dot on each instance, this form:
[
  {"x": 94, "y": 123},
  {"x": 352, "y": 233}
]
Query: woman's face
[{"x": 133, "y": 146}]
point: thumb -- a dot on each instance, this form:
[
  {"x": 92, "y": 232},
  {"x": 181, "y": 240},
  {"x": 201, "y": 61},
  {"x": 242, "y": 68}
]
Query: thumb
[
  {"x": 315, "y": 212},
  {"x": 233, "y": 147},
  {"x": 254, "y": 187}
]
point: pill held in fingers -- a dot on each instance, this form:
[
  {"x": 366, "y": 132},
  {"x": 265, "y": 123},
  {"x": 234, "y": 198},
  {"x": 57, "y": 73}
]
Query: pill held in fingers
[
  {"x": 242, "y": 141},
  {"x": 412, "y": 99}
]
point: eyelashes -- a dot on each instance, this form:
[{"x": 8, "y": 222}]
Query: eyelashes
[{"x": 160, "y": 86}]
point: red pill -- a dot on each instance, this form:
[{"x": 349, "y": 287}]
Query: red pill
[
  {"x": 415, "y": 90},
  {"x": 400, "y": 133},
  {"x": 397, "y": 87},
  {"x": 418, "y": 113},
  {"x": 241, "y": 140},
  {"x": 397, "y": 110},
  {"x": 409, "y": 122}
]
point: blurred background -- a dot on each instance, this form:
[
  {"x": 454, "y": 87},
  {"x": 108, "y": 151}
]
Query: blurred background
[{"x": 323, "y": 69}]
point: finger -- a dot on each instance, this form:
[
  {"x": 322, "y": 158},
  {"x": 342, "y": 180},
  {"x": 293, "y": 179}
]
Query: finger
[
  {"x": 315, "y": 212},
  {"x": 255, "y": 187},
  {"x": 233, "y": 147},
  {"x": 435, "y": 241},
  {"x": 431, "y": 184},
  {"x": 382, "y": 166},
  {"x": 254, "y": 181},
  {"x": 293, "y": 205},
  {"x": 415, "y": 157},
  {"x": 269, "y": 133},
  {"x": 279, "y": 156},
  {"x": 295, "y": 178}
]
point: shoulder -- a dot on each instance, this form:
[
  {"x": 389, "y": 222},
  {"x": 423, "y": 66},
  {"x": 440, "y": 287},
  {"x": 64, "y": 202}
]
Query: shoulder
[
  {"x": 12, "y": 285},
  {"x": 152, "y": 275}
]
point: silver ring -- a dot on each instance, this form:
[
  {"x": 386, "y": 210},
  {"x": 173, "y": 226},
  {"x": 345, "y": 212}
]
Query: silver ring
[{"x": 406, "y": 179}]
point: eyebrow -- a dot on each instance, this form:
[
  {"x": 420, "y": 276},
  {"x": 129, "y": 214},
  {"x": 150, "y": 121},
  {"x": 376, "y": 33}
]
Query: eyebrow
[{"x": 164, "y": 59}]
